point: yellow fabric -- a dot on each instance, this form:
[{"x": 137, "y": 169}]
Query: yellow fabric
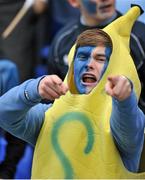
[{"x": 75, "y": 140}]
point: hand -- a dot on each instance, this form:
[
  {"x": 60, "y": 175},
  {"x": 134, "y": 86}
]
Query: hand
[
  {"x": 118, "y": 87},
  {"x": 40, "y": 6},
  {"x": 51, "y": 87}
]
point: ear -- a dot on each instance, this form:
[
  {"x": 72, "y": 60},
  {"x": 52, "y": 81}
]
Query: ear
[{"x": 74, "y": 3}]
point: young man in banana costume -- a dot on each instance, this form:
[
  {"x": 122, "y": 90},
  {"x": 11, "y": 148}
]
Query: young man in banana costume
[{"x": 95, "y": 128}]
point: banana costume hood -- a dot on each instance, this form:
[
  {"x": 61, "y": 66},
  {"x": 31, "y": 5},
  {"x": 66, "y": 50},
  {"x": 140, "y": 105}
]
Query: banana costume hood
[{"x": 75, "y": 141}]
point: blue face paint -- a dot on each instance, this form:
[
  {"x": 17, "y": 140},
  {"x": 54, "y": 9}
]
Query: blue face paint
[
  {"x": 90, "y": 6},
  {"x": 108, "y": 52},
  {"x": 81, "y": 61},
  {"x": 82, "y": 58}
]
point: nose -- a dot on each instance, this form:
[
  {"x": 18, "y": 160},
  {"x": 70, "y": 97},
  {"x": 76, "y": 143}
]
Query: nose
[{"x": 90, "y": 65}]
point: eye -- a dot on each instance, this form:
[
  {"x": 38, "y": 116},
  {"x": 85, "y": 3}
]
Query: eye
[
  {"x": 82, "y": 57},
  {"x": 101, "y": 60}
]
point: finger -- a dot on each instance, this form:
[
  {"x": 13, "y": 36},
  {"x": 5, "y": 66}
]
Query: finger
[
  {"x": 117, "y": 89},
  {"x": 50, "y": 94},
  {"x": 59, "y": 86},
  {"x": 61, "y": 89},
  {"x": 53, "y": 82},
  {"x": 108, "y": 88},
  {"x": 113, "y": 80},
  {"x": 56, "y": 80},
  {"x": 64, "y": 88},
  {"x": 46, "y": 87},
  {"x": 122, "y": 89},
  {"x": 125, "y": 91},
  {"x": 112, "y": 86}
]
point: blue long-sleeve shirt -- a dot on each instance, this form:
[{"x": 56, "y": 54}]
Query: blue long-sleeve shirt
[{"x": 22, "y": 114}]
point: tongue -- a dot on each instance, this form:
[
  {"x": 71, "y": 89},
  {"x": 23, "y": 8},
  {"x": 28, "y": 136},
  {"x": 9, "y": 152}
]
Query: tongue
[{"x": 89, "y": 80}]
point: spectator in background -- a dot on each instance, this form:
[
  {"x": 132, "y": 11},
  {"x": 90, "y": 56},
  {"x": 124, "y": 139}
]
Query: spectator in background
[
  {"x": 20, "y": 45},
  {"x": 95, "y": 14},
  {"x": 60, "y": 13},
  {"x": 15, "y": 147},
  {"x": 51, "y": 21}
]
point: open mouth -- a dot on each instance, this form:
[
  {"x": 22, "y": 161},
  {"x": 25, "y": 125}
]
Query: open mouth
[{"x": 89, "y": 79}]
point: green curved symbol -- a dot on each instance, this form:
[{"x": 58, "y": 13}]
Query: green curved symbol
[{"x": 73, "y": 116}]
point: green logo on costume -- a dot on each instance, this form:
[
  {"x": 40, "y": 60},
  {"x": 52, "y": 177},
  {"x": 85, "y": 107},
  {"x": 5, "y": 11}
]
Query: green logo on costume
[{"x": 68, "y": 117}]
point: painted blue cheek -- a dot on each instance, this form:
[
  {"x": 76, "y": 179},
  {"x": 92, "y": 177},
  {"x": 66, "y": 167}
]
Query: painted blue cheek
[
  {"x": 78, "y": 70},
  {"x": 108, "y": 51},
  {"x": 90, "y": 6}
]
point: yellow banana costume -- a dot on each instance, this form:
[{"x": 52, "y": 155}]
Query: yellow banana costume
[{"x": 75, "y": 141}]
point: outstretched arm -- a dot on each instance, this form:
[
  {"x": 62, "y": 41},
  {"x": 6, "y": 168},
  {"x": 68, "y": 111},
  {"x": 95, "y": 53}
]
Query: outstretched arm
[
  {"x": 20, "y": 109},
  {"x": 127, "y": 121}
]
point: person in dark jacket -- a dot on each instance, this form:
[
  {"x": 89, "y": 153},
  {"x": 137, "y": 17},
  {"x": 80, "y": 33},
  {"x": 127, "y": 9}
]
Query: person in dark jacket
[{"x": 95, "y": 14}]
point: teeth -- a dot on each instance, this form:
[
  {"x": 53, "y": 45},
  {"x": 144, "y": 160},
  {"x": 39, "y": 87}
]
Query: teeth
[{"x": 89, "y": 76}]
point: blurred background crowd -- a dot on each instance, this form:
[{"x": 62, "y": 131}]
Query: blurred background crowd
[{"x": 35, "y": 38}]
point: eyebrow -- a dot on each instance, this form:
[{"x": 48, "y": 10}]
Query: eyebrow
[
  {"x": 83, "y": 53},
  {"x": 99, "y": 55}
]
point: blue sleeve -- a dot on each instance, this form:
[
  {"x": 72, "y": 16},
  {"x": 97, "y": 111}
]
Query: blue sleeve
[
  {"x": 127, "y": 127},
  {"x": 21, "y": 112},
  {"x": 9, "y": 76}
]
